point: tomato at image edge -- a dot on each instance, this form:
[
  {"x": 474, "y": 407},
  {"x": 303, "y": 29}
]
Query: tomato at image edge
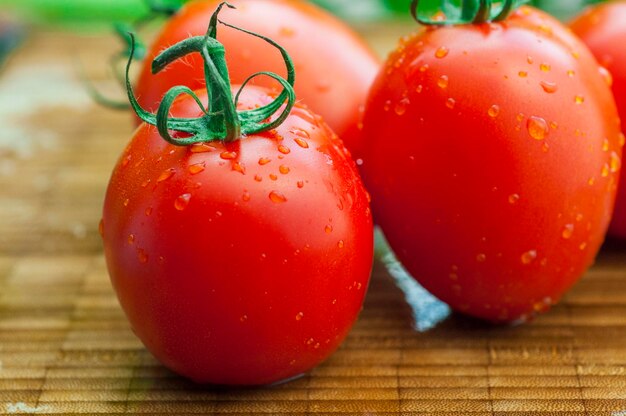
[
  {"x": 603, "y": 29},
  {"x": 492, "y": 152}
]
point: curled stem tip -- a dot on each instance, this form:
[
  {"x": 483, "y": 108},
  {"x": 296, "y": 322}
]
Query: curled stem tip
[
  {"x": 220, "y": 120},
  {"x": 471, "y": 12}
]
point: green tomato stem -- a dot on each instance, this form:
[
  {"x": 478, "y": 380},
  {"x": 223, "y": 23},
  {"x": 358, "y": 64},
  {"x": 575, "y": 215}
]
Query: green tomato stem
[
  {"x": 220, "y": 120},
  {"x": 472, "y": 12}
]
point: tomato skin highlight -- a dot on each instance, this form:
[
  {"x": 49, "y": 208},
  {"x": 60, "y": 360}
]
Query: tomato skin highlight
[
  {"x": 484, "y": 151},
  {"x": 234, "y": 270},
  {"x": 335, "y": 68},
  {"x": 602, "y": 29}
]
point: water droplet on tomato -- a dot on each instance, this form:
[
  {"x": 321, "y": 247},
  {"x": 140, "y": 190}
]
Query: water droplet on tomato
[
  {"x": 529, "y": 257},
  {"x": 300, "y": 133},
  {"x": 481, "y": 258},
  {"x": 300, "y": 184},
  {"x": 606, "y": 169},
  {"x": 424, "y": 68},
  {"x": 545, "y": 28},
  {"x": 328, "y": 229},
  {"x": 283, "y": 149},
  {"x": 182, "y": 201},
  {"x": 542, "y": 306},
  {"x": 554, "y": 125},
  {"x": 284, "y": 169},
  {"x": 616, "y": 162},
  {"x": 621, "y": 139},
  {"x": 126, "y": 161},
  {"x": 126, "y": 202},
  {"x": 201, "y": 148},
  {"x": 166, "y": 174},
  {"x": 549, "y": 87},
  {"x": 400, "y": 108},
  {"x": 537, "y": 128},
  {"x": 146, "y": 183},
  {"x": 273, "y": 176},
  {"x": 264, "y": 161},
  {"x": 239, "y": 167},
  {"x": 277, "y": 198},
  {"x": 522, "y": 74},
  {"x": 299, "y": 316},
  {"x": 545, "y": 67},
  {"x": 568, "y": 231},
  {"x": 530, "y": 59},
  {"x": 301, "y": 142},
  {"x": 442, "y": 52},
  {"x": 591, "y": 181},
  {"x": 606, "y": 76},
  {"x": 228, "y": 155},
  {"x": 245, "y": 196},
  {"x": 494, "y": 111},
  {"x": 131, "y": 238},
  {"x": 148, "y": 211},
  {"x": 341, "y": 244},
  {"x": 579, "y": 99},
  {"x": 243, "y": 318},
  {"x": 443, "y": 82},
  {"x": 142, "y": 255},
  {"x": 196, "y": 168}
]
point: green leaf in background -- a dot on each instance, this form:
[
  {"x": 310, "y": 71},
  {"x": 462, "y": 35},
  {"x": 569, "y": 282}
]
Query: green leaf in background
[{"x": 80, "y": 12}]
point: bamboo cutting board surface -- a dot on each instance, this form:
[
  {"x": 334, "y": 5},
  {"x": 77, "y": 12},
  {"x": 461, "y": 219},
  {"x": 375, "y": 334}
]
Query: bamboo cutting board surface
[{"x": 66, "y": 347}]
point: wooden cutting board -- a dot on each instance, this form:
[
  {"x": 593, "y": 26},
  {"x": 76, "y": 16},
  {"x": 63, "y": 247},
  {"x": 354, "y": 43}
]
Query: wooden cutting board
[{"x": 66, "y": 347}]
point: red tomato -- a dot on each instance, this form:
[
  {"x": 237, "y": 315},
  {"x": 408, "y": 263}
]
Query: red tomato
[
  {"x": 603, "y": 29},
  {"x": 240, "y": 263},
  {"x": 492, "y": 152},
  {"x": 335, "y": 69}
]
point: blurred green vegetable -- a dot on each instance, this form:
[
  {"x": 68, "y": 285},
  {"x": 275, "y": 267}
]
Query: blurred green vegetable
[{"x": 82, "y": 12}]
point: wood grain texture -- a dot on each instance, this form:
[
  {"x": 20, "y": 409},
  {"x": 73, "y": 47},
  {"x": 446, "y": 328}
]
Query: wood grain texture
[{"x": 66, "y": 347}]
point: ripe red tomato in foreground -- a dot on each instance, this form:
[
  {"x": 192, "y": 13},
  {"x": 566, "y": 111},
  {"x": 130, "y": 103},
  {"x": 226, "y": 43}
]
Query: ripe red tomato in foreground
[
  {"x": 603, "y": 29},
  {"x": 335, "y": 68},
  {"x": 492, "y": 153},
  {"x": 241, "y": 263}
]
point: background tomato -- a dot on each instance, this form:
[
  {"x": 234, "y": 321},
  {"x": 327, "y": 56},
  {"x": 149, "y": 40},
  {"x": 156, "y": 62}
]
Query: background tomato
[
  {"x": 603, "y": 29},
  {"x": 335, "y": 69},
  {"x": 240, "y": 263},
  {"x": 492, "y": 153}
]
